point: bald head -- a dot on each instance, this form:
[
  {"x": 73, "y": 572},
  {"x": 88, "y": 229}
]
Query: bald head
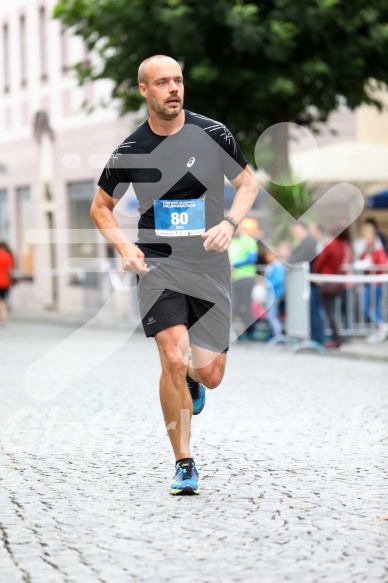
[
  {"x": 161, "y": 85},
  {"x": 147, "y": 66}
]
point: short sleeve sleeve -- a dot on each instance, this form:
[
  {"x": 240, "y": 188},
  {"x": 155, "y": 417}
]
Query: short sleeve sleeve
[
  {"x": 115, "y": 179},
  {"x": 233, "y": 160}
]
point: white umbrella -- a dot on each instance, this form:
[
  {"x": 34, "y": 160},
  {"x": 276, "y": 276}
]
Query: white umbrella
[{"x": 348, "y": 161}]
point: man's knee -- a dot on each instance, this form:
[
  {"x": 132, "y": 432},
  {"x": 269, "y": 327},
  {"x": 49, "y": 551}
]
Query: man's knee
[
  {"x": 173, "y": 354},
  {"x": 211, "y": 377},
  {"x": 172, "y": 364}
]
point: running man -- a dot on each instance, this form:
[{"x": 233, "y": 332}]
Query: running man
[{"x": 177, "y": 161}]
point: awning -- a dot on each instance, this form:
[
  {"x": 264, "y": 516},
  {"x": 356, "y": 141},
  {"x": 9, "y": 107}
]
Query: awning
[{"x": 377, "y": 201}]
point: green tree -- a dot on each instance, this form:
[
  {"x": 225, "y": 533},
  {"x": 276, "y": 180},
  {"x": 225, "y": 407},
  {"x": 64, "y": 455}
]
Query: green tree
[
  {"x": 248, "y": 64},
  {"x": 297, "y": 199}
]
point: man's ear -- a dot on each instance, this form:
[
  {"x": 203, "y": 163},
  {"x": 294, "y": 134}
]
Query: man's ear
[{"x": 143, "y": 89}]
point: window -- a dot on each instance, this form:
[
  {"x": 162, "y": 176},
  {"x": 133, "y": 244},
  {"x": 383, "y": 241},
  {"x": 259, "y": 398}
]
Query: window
[
  {"x": 23, "y": 54},
  {"x": 80, "y": 198},
  {"x": 4, "y": 216},
  {"x": 64, "y": 50},
  {"x": 24, "y": 251},
  {"x": 6, "y": 57},
  {"x": 43, "y": 42}
]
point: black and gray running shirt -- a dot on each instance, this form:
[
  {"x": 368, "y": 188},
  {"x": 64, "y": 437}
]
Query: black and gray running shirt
[{"x": 179, "y": 183}]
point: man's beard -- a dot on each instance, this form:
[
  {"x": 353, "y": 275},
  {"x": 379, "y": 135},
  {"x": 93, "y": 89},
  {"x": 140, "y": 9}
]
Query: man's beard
[{"x": 163, "y": 111}]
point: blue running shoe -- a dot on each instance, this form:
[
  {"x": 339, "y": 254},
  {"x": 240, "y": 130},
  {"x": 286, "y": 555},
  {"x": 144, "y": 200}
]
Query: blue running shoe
[
  {"x": 198, "y": 394},
  {"x": 186, "y": 477}
]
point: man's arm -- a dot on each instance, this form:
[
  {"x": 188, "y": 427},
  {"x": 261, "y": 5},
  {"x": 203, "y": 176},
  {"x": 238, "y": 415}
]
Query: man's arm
[
  {"x": 218, "y": 238},
  {"x": 101, "y": 212},
  {"x": 246, "y": 193}
]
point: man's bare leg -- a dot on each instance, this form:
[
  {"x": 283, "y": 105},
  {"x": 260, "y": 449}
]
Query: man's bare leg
[
  {"x": 175, "y": 398},
  {"x": 177, "y": 401},
  {"x": 207, "y": 367}
]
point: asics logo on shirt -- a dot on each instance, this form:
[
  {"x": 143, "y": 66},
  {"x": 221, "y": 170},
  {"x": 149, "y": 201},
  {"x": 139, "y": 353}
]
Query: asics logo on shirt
[{"x": 190, "y": 162}]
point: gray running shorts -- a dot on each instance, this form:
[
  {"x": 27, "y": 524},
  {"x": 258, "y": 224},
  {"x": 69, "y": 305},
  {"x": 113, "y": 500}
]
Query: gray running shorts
[{"x": 202, "y": 301}]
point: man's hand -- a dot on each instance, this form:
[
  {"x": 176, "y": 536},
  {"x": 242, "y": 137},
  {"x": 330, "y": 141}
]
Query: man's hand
[
  {"x": 218, "y": 238},
  {"x": 101, "y": 213},
  {"x": 133, "y": 259}
]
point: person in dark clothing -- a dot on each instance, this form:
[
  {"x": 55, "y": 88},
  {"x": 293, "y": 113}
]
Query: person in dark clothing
[
  {"x": 329, "y": 262},
  {"x": 317, "y": 325},
  {"x": 177, "y": 160},
  {"x": 305, "y": 249}
]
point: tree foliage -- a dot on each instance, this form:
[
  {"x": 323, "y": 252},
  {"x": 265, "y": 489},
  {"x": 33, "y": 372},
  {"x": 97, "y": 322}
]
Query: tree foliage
[
  {"x": 297, "y": 198},
  {"x": 248, "y": 64}
]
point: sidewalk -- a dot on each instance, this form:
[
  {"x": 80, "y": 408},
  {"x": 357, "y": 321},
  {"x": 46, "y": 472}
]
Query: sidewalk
[
  {"x": 358, "y": 348},
  {"x": 355, "y": 348}
]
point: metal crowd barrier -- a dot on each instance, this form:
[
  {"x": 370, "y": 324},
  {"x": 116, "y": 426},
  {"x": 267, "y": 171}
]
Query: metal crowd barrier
[
  {"x": 349, "y": 307},
  {"x": 350, "y": 314}
]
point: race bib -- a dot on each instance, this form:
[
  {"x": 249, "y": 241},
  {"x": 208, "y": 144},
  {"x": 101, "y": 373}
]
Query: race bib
[{"x": 184, "y": 218}]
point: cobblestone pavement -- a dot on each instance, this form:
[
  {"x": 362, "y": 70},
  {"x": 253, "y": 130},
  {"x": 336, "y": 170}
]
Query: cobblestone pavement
[{"x": 289, "y": 451}]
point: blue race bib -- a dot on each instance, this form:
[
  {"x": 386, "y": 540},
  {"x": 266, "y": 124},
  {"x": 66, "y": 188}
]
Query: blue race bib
[{"x": 174, "y": 218}]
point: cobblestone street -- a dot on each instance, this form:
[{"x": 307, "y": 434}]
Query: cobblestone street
[{"x": 290, "y": 453}]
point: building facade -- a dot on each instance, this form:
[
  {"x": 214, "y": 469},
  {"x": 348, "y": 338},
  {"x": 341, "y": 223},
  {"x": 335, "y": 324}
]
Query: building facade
[{"x": 51, "y": 155}]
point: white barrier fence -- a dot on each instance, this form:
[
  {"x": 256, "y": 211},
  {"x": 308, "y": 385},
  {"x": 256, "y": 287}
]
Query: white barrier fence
[
  {"x": 350, "y": 305},
  {"x": 358, "y": 286}
]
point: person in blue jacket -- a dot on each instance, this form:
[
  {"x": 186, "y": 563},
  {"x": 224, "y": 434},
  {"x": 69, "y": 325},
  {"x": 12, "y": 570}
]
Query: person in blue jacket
[{"x": 275, "y": 273}]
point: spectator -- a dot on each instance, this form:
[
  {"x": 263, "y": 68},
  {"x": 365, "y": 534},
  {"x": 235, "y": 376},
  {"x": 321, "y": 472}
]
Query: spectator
[
  {"x": 243, "y": 256},
  {"x": 6, "y": 265},
  {"x": 329, "y": 262},
  {"x": 318, "y": 233},
  {"x": 284, "y": 251},
  {"x": 317, "y": 326},
  {"x": 305, "y": 249},
  {"x": 373, "y": 254},
  {"x": 275, "y": 273},
  {"x": 380, "y": 234},
  {"x": 347, "y": 269}
]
